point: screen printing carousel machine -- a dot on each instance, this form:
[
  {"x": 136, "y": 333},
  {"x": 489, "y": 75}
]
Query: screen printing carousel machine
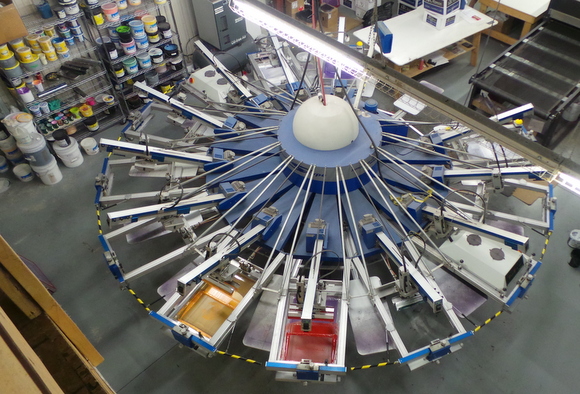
[{"x": 315, "y": 210}]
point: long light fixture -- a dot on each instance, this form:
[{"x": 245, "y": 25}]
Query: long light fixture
[
  {"x": 252, "y": 11},
  {"x": 568, "y": 182}
]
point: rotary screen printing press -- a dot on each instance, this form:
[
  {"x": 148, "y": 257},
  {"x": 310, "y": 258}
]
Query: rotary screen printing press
[
  {"x": 321, "y": 211},
  {"x": 543, "y": 69}
]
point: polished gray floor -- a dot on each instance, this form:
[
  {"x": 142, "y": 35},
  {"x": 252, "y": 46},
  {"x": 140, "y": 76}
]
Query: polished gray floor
[{"x": 534, "y": 349}]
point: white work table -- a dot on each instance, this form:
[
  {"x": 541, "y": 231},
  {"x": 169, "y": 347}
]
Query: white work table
[
  {"x": 529, "y": 11},
  {"x": 413, "y": 38}
]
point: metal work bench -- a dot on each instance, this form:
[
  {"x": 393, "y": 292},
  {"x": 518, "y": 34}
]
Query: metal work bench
[
  {"x": 414, "y": 39},
  {"x": 528, "y": 11}
]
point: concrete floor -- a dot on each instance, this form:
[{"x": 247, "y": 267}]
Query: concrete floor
[{"x": 534, "y": 349}]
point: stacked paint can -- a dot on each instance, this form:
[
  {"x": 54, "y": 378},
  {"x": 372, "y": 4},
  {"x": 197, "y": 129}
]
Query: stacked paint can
[
  {"x": 111, "y": 12},
  {"x": 131, "y": 66},
  {"x": 71, "y": 7},
  {"x": 138, "y": 33},
  {"x": 165, "y": 30},
  {"x": 151, "y": 28},
  {"x": 47, "y": 48},
  {"x": 10, "y": 149},
  {"x": 126, "y": 40},
  {"x": 30, "y": 61},
  {"x": 8, "y": 62},
  {"x": 34, "y": 149},
  {"x": 67, "y": 149}
]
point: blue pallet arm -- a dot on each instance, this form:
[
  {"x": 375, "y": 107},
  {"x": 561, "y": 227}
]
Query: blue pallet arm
[
  {"x": 234, "y": 192},
  {"x": 102, "y": 182},
  {"x": 258, "y": 102},
  {"x": 111, "y": 259},
  {"x": 264, "y": 224},
  {"x": 316, "y": 231},
  {"x": 437, "y": 141},
  {"x": 369, "y": 226}
]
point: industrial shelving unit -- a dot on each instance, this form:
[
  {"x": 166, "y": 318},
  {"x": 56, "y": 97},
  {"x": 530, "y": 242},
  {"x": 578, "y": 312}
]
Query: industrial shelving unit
[
  {"x": 76, "y": 91},
  {"x": 123, "y": 85}
]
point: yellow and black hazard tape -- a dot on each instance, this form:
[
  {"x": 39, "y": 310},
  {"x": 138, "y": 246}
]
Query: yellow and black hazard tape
[
  {"x": 139, "y": 300},
  {"x": 546, "y": 245},
  {"x": 476, "y": 329},
  {"x": 248, "y": 360},
  {"x": 375, "y": 365},
  {"x": 99, "y": 221}
]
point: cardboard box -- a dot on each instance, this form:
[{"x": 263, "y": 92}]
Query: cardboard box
[
  {"x": 412, "y": 3},
  {"x": 442, "y": 7},
  {"x": 440, "y": 21},
  {"x": 12, "y": 25},
  {"x": 294, "y": 6},
  {"x": 329, "y": 17},
  {"x": 404, "y": 8}
]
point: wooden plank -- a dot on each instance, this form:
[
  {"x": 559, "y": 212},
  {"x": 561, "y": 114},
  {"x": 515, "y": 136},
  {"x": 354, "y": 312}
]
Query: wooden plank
[
  {"x": 22, "y": 370},
  {"x": 104, "y": 385},
  {"x": 69, "y": 368},
  {"x": 14, "y": 265},
  {"x": 18, "y": 295}
]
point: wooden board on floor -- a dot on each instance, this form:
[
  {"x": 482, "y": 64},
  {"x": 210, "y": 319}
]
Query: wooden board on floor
[
  {"x": 68, "y": 367},
  {"x": 14, "y": 265},
  {"x": 22, "y": 370},
  {"x": 18, "y": 295}
]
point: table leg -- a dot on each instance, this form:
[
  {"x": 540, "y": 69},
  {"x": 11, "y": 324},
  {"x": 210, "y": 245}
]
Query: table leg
[
  {"x": 475, "y": 52},
  {"x": 526, "y": 29}
]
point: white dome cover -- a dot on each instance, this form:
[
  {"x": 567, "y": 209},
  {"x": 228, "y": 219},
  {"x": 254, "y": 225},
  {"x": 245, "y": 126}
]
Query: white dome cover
[{"x": 329, "y": 127}]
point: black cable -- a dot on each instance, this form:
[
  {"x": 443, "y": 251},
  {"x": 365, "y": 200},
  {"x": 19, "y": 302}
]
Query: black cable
[
  {"x": 459, "y": 191},
  {"x": 504, "y": 156},
  {"x": 156, "y": 301},
  {"x": 301, "y": 81},
  {"x": 331, "y": 272},
  {"x": 265, "y": 204},
  {"x": 414, "y": 234},
  {"x": 300, "y": 273},
  {"x": 469, "y": 320},
  {"x": 496, "y": 157},
  {"x": 178, "y": 199},
  {"x": 227, "y": 235}
]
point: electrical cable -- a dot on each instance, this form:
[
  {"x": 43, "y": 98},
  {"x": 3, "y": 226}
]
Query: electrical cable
[
  {"x": 458, "y": 191},
  {"x": 307, "y": 263},
  {"x": 414, "y": 234},
  {"x": 227, "y": 235},
  {"x": 301, "y": 81}
]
